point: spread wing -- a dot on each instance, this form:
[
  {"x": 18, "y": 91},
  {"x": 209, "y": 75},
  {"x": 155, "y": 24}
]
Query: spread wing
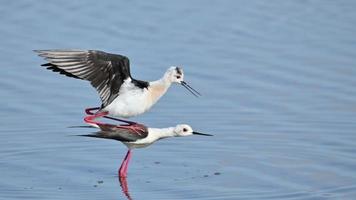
[
  {"x": 105, "y": 72},
  {"x": 109, "y": 131}
]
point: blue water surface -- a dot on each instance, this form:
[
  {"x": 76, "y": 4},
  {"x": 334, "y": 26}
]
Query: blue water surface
[{"x": 278, "y": 82}]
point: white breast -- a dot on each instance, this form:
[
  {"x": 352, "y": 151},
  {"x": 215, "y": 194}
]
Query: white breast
[{"x": 132, "y": 101}]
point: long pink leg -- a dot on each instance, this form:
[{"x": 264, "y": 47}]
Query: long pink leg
[
  {"x": 138, "y": 128},
  {"x": 90, "y": 118},
  {"x": 125, "y": 167},
  {"x": 128, "y": 161},
  {"x": 125, "y": 164},
  {"x": 125, "y": 187},
  {"x": 89, "y": 112}
]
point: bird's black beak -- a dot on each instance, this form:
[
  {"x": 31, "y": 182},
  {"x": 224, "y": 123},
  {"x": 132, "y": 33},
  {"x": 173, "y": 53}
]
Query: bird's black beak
[
  {"x": 197, "y": 133},
  {"x": 190, "y": 89}
]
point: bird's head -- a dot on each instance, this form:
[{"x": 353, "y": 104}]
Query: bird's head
[
  {"x": 176, "y": 75},
  {"x": 186, "y": 130}
]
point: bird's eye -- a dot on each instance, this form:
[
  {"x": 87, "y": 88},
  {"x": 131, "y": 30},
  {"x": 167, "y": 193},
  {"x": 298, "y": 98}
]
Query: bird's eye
[
  {"x": 185, "y": 130},
  {"x": 178, "y": 77}
]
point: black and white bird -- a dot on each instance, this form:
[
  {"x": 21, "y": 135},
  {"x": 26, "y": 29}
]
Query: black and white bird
[
  {"x": 133, "y": 138},
  {"x": 109, "y": 74}
]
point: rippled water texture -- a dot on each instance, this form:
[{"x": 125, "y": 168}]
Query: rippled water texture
[{"x": 278, "y": 82}]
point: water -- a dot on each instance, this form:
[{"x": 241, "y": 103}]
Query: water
[{"x": 278, "y": 84}]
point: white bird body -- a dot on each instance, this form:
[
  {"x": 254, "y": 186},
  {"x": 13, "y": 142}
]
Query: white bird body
[
  {"x": 142, "y": 136},
  {"x": 109, "y": 74},
  {"x": 121, "y": 95},
  {"x": 154, "y": 134},
  {"x": 134, "y": 101},
  {"x": 139, "y": 137}
]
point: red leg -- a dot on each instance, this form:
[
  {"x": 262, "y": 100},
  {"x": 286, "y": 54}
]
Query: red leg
[
  {"x": 137, "y": 128},
  {"x": 88, "y": 111},
  {"x": 125, "y": 187},
  {"x": 120, "y": 120},
  {"x": 125, "y": 164},
  {"x": 90, "y": 119}
]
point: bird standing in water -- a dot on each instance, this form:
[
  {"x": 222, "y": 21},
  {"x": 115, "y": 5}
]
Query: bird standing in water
[
  {"x": 121, "y": 94},
  {"x": 140, "y": 138}
]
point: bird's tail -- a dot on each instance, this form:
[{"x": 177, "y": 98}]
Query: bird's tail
[
  {"x": 99, "y": 134},
  {"x": 83, "y": 126},
  {"x": 94, "y": 135}
]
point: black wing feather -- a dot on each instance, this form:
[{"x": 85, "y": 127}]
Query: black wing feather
[
  {"x": 56, "y": 69},
  {"x": 106, "y": 72},
  {"x": 109, "y": 131}
]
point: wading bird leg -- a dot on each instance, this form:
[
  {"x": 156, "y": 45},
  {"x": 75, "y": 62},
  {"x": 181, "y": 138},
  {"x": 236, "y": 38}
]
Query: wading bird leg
[
  {"x": 90, "y": 119},
  {"x": 121, "y": 120},
  {"x": 128, "y": 161},
  {"x": 137, "y": 128},
  {"x": 133, "y": 126},
  {"x": 124, "y": 164},
  {"x": 125, "y": 187},
  {"x": 89, "y": 112}
]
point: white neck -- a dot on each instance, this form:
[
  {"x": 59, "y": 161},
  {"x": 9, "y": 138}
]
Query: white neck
[
  {"x": 159, "y": 133},
  {"x": 158, "y": 88}
]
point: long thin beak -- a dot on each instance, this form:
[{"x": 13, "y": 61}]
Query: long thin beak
[
  {"x": 204, "y": 134},
  {"x": 190, "y": 89}
]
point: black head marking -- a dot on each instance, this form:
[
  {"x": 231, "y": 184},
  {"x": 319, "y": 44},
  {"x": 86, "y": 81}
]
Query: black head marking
[{"x": 179, "y": 71}]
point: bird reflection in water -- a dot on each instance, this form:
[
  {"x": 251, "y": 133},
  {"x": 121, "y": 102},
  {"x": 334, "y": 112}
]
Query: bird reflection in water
[{"x": 124, "y": 187}]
